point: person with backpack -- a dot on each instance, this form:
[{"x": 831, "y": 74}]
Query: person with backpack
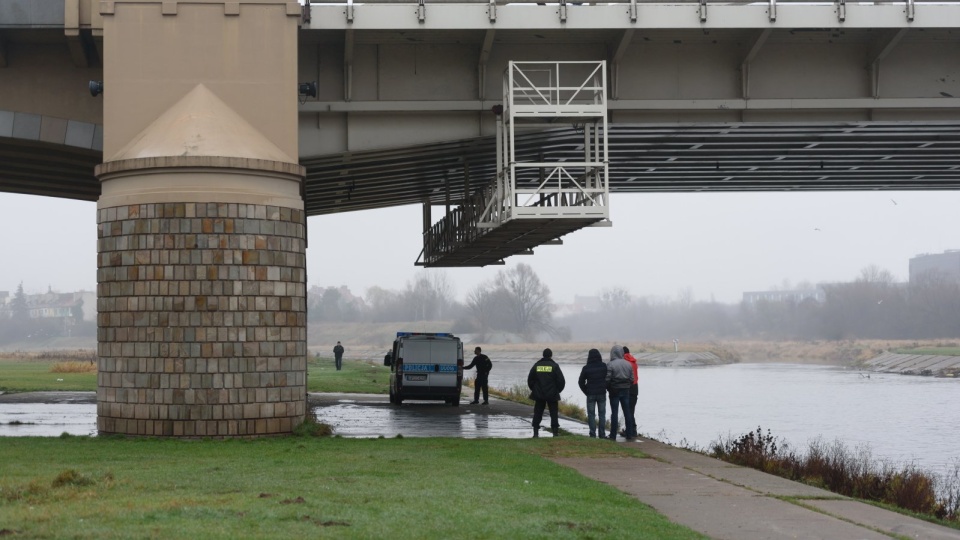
[{"x": 484, "y": 365}]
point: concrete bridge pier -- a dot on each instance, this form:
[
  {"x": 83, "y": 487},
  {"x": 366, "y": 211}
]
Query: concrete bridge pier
[{"x": 201, "y": 229}]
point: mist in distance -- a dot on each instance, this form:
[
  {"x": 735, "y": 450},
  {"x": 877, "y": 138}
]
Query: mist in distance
[{"x": 708, "y": 247}]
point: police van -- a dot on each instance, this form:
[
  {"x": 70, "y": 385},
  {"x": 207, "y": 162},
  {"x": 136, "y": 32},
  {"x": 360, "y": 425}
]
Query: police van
[{"x": 426, "y": 366}]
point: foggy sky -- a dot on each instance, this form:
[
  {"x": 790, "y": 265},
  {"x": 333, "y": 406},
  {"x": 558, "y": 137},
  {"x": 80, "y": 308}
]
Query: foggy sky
[{"x": 718, "y": 245}]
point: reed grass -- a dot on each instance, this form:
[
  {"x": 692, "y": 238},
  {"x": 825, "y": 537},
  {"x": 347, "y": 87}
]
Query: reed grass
[
  {"x": 850, "y": 472},
  {"x": 74, "y": 367}
]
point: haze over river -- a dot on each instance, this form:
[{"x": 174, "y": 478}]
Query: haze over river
[{"x": 902, "y": 418}]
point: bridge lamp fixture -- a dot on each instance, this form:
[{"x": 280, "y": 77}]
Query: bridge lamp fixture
[
  {"x": 96, "y": 88},
  {"x": 308, "y": 89}
]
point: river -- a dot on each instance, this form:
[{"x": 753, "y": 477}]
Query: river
[{"x": 900, "y": 418}]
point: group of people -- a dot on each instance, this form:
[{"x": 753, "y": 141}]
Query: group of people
[
  {"x": 545, "y": 381},
  {"x": 599, "y": 381},
  {"x": 616, "y": 380}
]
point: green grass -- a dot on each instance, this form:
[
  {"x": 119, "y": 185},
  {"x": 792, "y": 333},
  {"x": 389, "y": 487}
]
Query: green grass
[
  {"x": 294, "y": 487},
  {"x": 355, "y": 377},
  {"x": 937, "y": 351},
  {"x": 35, "y": 376}
]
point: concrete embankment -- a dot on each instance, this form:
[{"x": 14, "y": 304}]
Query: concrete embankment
[
  {"x": 915, "y": 364},
  {"x": 679, "y": 359}
]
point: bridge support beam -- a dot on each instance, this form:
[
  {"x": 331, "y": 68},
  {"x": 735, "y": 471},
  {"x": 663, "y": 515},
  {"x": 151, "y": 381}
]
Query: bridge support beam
[{"x": 202, "y": 277}]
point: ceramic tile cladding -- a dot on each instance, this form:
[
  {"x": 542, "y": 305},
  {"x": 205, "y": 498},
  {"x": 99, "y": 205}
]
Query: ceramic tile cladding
[{"x": 202, "y": 320}]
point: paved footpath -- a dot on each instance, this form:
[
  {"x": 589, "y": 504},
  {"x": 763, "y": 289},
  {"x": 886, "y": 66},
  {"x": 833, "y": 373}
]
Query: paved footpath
[{"x": 727, "y": 501}]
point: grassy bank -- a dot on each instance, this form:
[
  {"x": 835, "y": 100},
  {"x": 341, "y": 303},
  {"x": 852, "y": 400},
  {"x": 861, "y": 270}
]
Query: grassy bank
[
  {"x": 53, "y": 374},
  {"x": 355, "y": 377},
  {"x": 27, "y": 375},
  {"x": 307, "y": 487}
]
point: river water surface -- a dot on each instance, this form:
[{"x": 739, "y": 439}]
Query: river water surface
[{"x": 900, "y": 418}]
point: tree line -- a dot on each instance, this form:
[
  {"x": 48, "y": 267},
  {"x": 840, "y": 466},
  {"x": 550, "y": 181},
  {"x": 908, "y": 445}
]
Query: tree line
[
  {"x": 872, "y": 306},
  {"x": 515, "y": 301}
]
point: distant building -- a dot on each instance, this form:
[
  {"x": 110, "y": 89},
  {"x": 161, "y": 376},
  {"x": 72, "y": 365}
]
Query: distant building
[
  {"x": 69, "y": 308},
  {"x": 946, "y": 264},
  {"x": 797, "y": 296}
]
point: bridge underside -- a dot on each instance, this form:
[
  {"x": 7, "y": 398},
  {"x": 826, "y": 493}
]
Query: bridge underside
[
  {"x": 514, "y": 237},
  {"x": 660, "y": 158},
  {"x": 643, "y": 158}
]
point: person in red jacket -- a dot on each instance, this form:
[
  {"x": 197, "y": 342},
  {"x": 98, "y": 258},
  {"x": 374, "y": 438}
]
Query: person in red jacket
[{"x": 634, "y": 388}]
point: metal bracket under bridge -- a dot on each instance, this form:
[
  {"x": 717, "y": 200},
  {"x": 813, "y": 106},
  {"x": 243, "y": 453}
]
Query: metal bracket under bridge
[{"x": 536, "y": 197}]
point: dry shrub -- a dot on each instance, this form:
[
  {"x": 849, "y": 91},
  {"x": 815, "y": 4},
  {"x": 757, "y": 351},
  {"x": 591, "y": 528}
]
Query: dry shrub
[
  {"x": 853, "y": 473},
  {"x": 70, "y": 477},
  {"x": 31, "y": 491},
  {"x": 312, "y": 427},
  {"x": 74, "y": 367},
  {"x": 89, "y": 355}
]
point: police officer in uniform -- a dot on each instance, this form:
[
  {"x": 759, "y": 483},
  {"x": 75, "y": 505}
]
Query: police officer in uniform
[
  {"x": 546, "y": 382},
  {"x": 484, "y": 365}
]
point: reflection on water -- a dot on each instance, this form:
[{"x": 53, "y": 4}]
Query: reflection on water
[{"x": 901, "y": 418}]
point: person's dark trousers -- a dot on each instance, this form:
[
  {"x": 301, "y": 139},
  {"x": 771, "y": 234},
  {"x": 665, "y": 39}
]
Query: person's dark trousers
[
  {"x": 339, "y": 362},
  {"x": 538, "y": 406},
  {"x": 634, "y": 396},
  {"x": 620, "y": 399},
  {"x": 481, "y": 382}
]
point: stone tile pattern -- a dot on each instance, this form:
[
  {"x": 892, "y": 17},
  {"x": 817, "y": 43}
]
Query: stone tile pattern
[{"x": 202, "y": 320}]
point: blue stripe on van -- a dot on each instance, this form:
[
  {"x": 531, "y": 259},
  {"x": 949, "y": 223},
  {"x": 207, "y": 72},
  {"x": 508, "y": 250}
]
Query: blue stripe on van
[{"x": 429, "y": 368}]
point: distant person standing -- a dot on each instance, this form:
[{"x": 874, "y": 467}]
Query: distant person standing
[
  {"x": 635, "y": 387},
  {"x": 484, "y": 365},
  {"x": 619, "y": 379},
  {"x": 338, "y": 355},
  {"x": 593, "y": 384},
  {"x": 546, "y": 382}
]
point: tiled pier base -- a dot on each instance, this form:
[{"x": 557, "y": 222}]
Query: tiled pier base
[{"x": 202, "y": 319}]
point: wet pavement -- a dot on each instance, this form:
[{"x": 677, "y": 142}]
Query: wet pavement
[
  {"x": 372, "y": 415},
  {"x": 49, "y": 414}
]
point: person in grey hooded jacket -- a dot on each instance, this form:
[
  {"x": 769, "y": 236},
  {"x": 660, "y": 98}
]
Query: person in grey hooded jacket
[{"x": 619, "y": 380}]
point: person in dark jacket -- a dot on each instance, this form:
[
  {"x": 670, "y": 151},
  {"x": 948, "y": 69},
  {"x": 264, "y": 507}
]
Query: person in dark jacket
[
  {"x": 484, "y": 365},
  {"x": 593, "y": 384},
  {"x": 619, "y": 379},
  {"x": 338, "y": 355},
  {"x": 546, "y": 382}
]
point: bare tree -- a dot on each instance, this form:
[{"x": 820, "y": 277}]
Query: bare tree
[
  {"x": 615, "y": 299},
  {"x": 429, "y": 295},
  {"x": 483, "y": 302},
  {"x": 528, "y": 300}
]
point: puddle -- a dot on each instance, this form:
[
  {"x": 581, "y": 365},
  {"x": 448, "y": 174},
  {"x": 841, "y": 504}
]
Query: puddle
[
  {"x": 350, "y": 416},
  {"x": 47, "y": 419}
]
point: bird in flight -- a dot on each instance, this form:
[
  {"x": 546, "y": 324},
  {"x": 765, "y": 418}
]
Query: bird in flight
[{"x": 894, "y": 202}]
